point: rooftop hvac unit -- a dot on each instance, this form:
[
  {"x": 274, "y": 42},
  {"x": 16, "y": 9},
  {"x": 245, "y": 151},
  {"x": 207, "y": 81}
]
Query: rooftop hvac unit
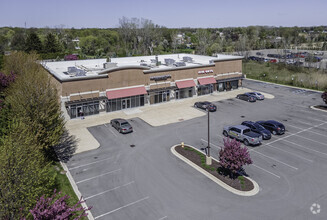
[
  {"x": 177, "y": 64},
  {"x": 188, "y": 59},
  {"x": 109, "y": 65},
  {"x": 72, "y": 69},
  {"x": 169, "y": 62},
  {"x": 153, "y": 61}
]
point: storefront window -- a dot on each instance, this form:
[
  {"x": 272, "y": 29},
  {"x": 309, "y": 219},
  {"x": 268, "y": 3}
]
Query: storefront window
[{"x": 124, "y": 103}]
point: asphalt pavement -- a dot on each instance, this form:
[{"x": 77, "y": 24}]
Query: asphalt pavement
[{"x": 135, "y": 176}]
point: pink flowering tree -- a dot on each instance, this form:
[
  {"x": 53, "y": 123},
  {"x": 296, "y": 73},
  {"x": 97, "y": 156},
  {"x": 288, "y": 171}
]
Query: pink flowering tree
[
  {"x": 50, "y": 208},
  {"x": 232, "y": 157},
  {"x": 5, "y": 81}
]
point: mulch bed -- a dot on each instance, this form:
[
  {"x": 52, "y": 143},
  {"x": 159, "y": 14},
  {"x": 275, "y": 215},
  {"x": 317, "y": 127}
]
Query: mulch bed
[
  {"x": 195, "y": 157},
  {"x": 322, "y": 107}
]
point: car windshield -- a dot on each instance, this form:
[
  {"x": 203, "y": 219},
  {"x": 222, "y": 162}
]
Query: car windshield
[
  {"x": 246, "y": 131},
  {"x": 124, "y": 124},
  {"x": 258, "y": 93},
  {"x": 258, "y": 127}
]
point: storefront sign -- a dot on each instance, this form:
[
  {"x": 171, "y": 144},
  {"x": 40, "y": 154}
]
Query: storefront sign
[
  {"x": 205, "y": 71},
  {"x": 158, "y": 78}
]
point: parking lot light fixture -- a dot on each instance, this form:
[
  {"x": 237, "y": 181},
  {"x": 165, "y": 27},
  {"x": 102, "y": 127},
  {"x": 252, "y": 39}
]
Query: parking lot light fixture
[{"x": 208, "y": 158}]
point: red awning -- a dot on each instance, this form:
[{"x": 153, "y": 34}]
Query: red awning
[
  {"x": 121, "y": 93},
  {"x": 208, "y": 80},
  {"x": 185, "y": 84}
]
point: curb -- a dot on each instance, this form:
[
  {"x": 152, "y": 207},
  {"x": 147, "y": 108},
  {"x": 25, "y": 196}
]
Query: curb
[
  {"x": 312, "y": 90},
  {"x": 317, "y": 109},
  {"x": 77, "y": 192},
  {"x": 253, "y": 192}
]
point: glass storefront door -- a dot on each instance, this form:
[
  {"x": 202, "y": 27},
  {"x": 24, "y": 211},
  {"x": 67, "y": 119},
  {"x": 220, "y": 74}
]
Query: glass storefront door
[{"x": 125, "y": 103}]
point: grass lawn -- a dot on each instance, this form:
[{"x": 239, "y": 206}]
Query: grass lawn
[
  {"x": 63, "y": 186},
  {"x": 287, "y": 75}
]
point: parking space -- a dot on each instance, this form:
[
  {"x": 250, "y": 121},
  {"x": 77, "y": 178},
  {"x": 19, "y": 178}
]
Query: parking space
[{"x": 147, "y": 182}]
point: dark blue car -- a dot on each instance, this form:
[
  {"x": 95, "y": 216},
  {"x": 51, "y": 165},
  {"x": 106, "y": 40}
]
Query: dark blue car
[
  {"x": 255, "y": 127},
  {"x": 274, "y": 127}
]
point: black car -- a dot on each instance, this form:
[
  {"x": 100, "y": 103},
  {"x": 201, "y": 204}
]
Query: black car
[
  {"x": 246, "y": 97},
  {"x": 255, "y": 127},
  {"x": 274, "y": 127},
  {"x": 208, "y": 106},
  {"x": 121, "y": 125}
]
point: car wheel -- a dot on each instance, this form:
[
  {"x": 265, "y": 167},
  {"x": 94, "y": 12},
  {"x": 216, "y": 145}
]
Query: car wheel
[
  {"x": 246, "y": 142},
  {"x": 119, "y": 130},
  {"x": 225, "y": 133},
  {"x": 274, "y": 132}
]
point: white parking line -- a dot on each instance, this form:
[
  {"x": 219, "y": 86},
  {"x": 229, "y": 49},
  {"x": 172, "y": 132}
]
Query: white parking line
[
  {"x": 211, "y": 144},
  {"x": 309, "y": 139},
  {"x": 112, "y": 131},
  {"x": 303, "y": 158},
  {"x": 317, "y": 119},
  {"x": 163, "y": 218},
  {"x": 99, "y": 161},
  {"x": 307, "y": 130},
  {"x": 294, "y": 134},
  {"x": 109, "y": 190},
  {"x": 295, "y": 168},
  {"x": 266, "y": 170},
  {"x": 129, "y": 204},
  {"x": 97, "y": 176},
  {"x": 304, "y": 122},
  {"x": 305, "y": 147}
]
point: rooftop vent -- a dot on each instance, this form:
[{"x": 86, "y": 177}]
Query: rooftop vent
[
  {"x": 188, "y": 59},
  {"x": 169, "y": 62},
  {"x": 177, "y": 64},
  {"x": 73, "y": 71}
]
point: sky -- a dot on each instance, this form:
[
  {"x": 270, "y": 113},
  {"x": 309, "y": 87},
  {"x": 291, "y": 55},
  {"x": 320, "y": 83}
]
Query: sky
[{"x": 168, "y": 13}]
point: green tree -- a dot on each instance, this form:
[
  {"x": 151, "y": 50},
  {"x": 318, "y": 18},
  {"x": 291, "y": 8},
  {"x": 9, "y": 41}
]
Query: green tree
[
  {"x": 18, "y": 41},
  {"x": 34, "y": 100},
  {"x": 51, "y": 44},
  {"x": 33, "y": 43},
  {"x": 89, "y": 45},
  {"x": 24, "y": 173}
]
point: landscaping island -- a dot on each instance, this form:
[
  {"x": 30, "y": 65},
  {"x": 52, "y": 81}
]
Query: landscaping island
[{"x": 240, "y": 185}]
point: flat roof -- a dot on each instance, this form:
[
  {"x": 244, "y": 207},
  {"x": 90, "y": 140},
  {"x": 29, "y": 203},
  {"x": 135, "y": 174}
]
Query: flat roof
[{"x": 95, "y": 68}]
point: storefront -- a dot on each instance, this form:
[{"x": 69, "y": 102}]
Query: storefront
[
  {"x": 186, "y": 89},
  {"x": 206, "y": 85},
  {"x": 121, "y": 99},
  {"x": 228, "y": 84},
  {"x": 160, "y": 95},
  {"x": 83, "y": 108}
]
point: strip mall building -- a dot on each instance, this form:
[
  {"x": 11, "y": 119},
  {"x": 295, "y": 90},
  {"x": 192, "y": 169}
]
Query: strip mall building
[{"x": 88, "y": 87}]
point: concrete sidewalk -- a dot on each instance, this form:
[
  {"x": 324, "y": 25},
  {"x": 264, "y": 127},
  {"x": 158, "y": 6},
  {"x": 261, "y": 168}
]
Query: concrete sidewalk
[{"x": 155, "y": 115}]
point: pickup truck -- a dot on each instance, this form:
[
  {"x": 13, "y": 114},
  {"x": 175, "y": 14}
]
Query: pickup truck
[{"x": 243, "y": 133}]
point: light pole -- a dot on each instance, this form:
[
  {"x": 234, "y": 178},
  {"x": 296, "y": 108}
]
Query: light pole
[{"x": 208, "y": 158}]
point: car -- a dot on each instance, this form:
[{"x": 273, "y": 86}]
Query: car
[
  {"x": 258, "y": 95},
  {"x": 274, "y": 127},
  {"x": 255, "y": 127},
  {"x": 121, "y": 125},
  {"x": 246, "y": 97},
  {"x": 208, "y": 106},
  {"x": 243, "y": 133}
]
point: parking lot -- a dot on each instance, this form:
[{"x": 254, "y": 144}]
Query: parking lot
[{"x": 135, "y": 176}]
